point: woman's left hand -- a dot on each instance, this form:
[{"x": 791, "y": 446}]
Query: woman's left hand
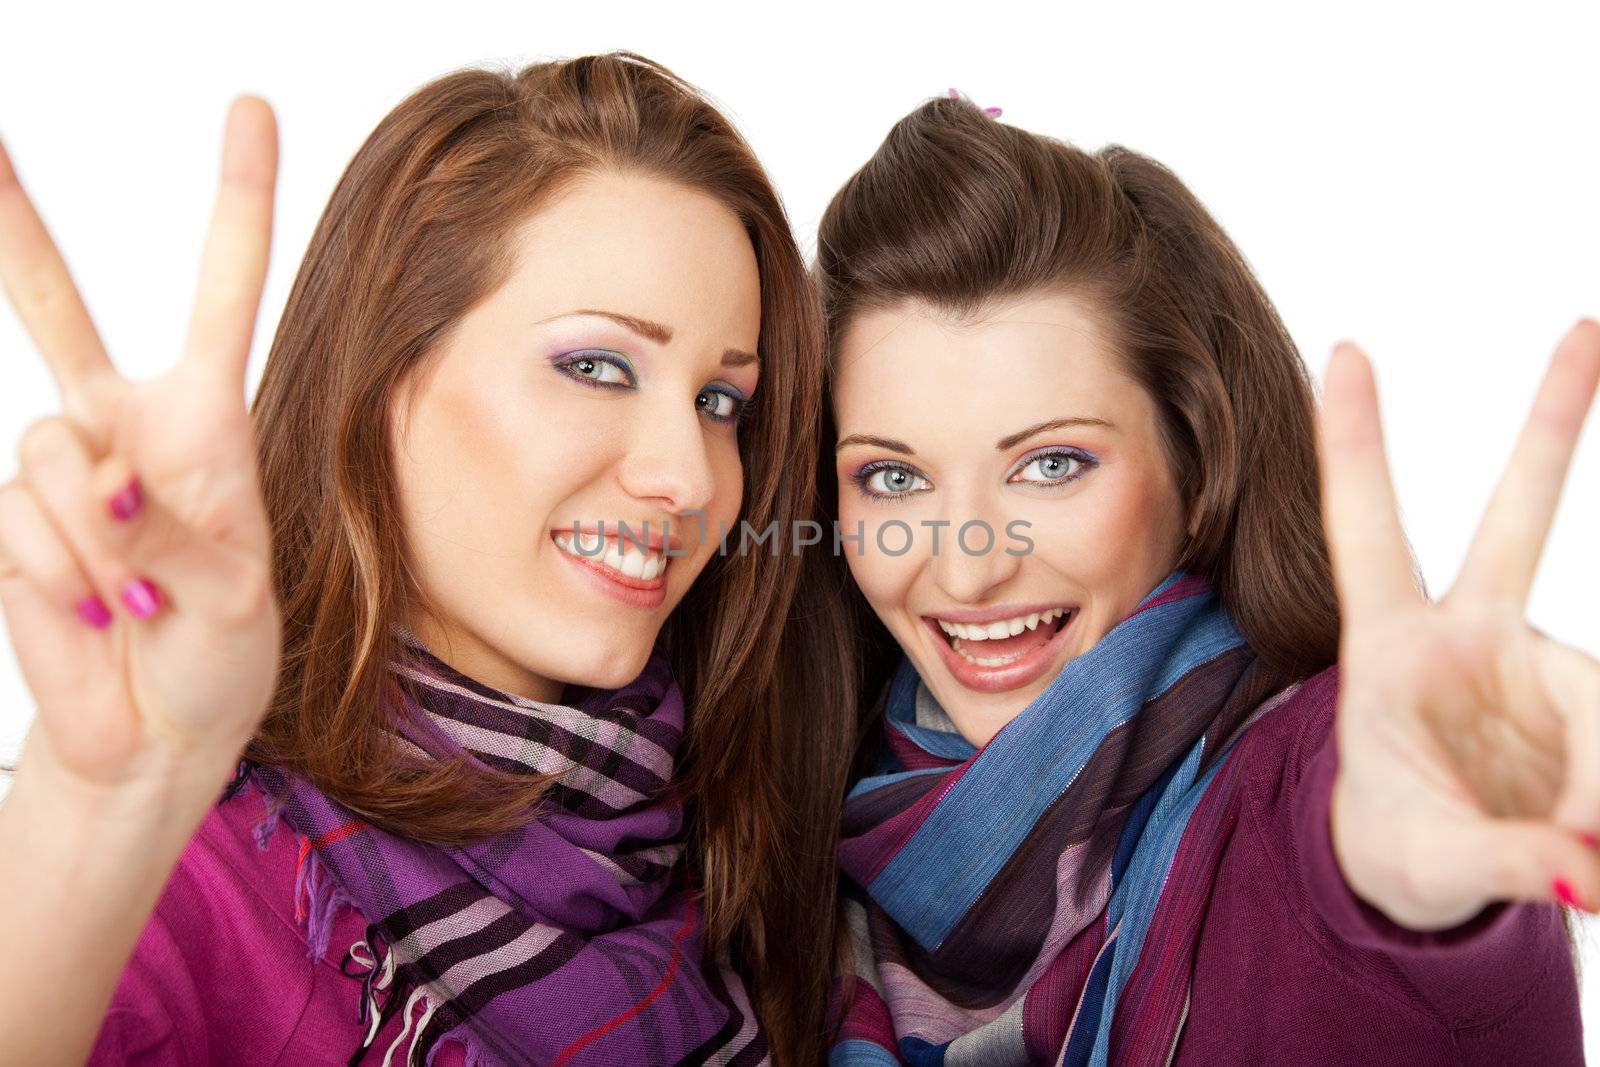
[{"x": 1469, "y": 742}]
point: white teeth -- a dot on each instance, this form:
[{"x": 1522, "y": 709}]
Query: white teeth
[
  {"x": 628, "y": 560},
  {"x": 996, "y": 630},
  {"x": 985, "y": 661}
]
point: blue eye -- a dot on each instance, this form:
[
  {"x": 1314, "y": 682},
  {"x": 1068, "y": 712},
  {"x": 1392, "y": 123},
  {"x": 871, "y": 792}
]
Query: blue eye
[
  {"x": 1054, "y": 466},
  {"x": 888, "y": 480},
  {"x": 721, "y": 405},
  {"x": 598, "y": 369}
]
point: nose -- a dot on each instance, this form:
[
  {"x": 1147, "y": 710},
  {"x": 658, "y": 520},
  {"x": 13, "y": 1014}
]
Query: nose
[
  {"x": 667, "y": 462},
  {"x": 969, "y": 566}
]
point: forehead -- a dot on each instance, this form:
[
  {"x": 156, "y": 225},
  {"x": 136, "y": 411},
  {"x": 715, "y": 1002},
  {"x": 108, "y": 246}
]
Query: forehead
[
  {"x": 1042, "y": 355},
  {"x": 642, "y": 246}
]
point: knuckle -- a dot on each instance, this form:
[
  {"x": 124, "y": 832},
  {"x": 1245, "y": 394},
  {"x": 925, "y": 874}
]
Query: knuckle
[
  {"x": 46, "y": 442},
  {"x": 247, "y": 596}
]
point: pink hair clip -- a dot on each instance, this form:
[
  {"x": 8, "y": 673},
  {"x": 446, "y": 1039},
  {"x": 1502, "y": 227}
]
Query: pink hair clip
[{"x": 992, "y": 112}]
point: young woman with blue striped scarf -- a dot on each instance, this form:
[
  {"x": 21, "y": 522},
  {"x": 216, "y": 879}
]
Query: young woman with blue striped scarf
[{"x": 1116, "y": 803}]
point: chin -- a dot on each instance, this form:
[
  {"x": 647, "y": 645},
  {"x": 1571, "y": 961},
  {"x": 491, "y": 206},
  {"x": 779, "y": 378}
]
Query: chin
[{"x": 611, "y": 668}]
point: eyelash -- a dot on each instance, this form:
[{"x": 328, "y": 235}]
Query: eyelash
[
  {"x": 566, "y": 366},
  {"x": 863, "y": 475},
  {"x": 1085, "y": 462}
]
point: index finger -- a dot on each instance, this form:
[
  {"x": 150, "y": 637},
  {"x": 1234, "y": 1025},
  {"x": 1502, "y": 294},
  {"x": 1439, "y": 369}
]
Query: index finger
[
  {"x": 39, "y": 286},
  {"x": 1372, "y": 567}
]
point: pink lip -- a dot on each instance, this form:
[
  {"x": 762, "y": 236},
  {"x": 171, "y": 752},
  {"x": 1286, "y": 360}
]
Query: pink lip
[
  {"x": 633, "y": 592},
  {"x": 653, "y": 539},
  {"x": 997, "y": 679}
]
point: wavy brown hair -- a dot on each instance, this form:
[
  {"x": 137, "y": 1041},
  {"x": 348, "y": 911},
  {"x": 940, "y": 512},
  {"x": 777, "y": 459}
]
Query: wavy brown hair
[
  {"x": 960, "y": 211},
  {"x": 413, "y": 236}
]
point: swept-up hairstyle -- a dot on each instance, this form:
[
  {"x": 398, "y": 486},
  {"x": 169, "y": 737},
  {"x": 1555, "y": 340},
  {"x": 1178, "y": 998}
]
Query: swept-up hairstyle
[{"x": 960, "y": 211}]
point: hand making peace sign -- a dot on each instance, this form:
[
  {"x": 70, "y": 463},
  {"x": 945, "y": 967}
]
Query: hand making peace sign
[
  {"x": 134, "y": 548},
  {"x": 1469, "y": 742}
]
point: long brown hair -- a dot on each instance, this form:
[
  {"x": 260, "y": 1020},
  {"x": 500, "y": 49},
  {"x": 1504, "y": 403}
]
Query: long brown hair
[
  {"x": 959, "y": 210},
  {"x": 413, "y": 236}
]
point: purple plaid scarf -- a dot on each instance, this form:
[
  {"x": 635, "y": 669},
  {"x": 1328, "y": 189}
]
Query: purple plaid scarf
[
  {"x": 1038, "y": 900},
  {"x": 571, "y": 940}
]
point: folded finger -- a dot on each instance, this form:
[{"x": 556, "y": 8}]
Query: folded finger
[
  {"x": 1570, "y": 679},
  {"x": 59, "y": 469},
  {"x": 139, "y": 556},
  {"x": 37, "y": 564}
]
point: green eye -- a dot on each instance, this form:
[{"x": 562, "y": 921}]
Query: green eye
[{"x": 720, "y": 405}]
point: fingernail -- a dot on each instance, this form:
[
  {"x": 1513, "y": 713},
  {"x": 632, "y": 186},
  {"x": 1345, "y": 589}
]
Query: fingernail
[
  {"x": 1589, "y": 839},
  {"x": 1563, "y": 891},
  {"x": 142, "y": 598},
  {"x": 129, "y": 499},
  {"x": 92, "y": 610}
]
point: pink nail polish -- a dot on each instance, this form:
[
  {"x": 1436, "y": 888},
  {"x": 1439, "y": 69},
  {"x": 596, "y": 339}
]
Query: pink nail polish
[
  {"x": 92, "y": 610},
  {"x": 142, "y": 598},
  {"x": 1564, "y": 893},
  {"x": 1589, "y": 839},
  {"x": 128, "y": 500}
]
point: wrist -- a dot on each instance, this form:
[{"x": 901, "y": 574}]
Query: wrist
[{"x": 160, "y": 799}]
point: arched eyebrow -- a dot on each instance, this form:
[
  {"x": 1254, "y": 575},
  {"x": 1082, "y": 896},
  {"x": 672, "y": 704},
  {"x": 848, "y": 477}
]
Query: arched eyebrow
[
  {"x": 654, "y": 331},
  {"x": 1011, "y": 441},
  {"x": 1001, "y": 445},
  {"x": 878, "y": 442}
]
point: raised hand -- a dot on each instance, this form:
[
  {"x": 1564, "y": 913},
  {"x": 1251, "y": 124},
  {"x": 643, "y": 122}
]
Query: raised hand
[
  {"x": 1469, "y": 742},
  {"x": 134, "y": 548}
]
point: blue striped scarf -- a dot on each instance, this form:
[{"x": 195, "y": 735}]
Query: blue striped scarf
[{"x": 1037, "y": 900}]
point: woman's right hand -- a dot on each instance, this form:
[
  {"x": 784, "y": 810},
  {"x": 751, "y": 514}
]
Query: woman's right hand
[{"x": 135, "y": 557}]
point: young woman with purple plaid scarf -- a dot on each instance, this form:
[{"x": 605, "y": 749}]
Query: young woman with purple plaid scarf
[
  {"x": 1116, "y": 804},
  {"x": 517, "y": 789}
]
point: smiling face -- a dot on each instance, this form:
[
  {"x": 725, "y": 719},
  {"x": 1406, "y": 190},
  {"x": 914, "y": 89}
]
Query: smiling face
[
  {"x": 1021, "y": 416},
  {"x": 600, "y": 383}
]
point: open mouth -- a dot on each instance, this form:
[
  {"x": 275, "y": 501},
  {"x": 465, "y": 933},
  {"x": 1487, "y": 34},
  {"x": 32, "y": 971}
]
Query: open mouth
[
  {"x": 1002, "y": 654},
  {"x": 998, "y": 644}
]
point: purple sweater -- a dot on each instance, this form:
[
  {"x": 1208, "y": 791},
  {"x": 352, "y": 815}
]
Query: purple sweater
[{"x": 1292, "y": 968}]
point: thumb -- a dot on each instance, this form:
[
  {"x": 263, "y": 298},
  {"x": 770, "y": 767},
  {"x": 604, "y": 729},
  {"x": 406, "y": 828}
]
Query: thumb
[{"x": 1523, "y": 859}]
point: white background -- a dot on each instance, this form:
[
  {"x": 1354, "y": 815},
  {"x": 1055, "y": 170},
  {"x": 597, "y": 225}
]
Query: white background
[{"x": 1421, "y": 179}]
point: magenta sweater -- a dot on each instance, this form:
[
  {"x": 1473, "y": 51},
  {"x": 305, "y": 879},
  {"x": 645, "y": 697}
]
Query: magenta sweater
[
  {"x": 222, "y": 975},
  {"x": 1292, "y": 968}
]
